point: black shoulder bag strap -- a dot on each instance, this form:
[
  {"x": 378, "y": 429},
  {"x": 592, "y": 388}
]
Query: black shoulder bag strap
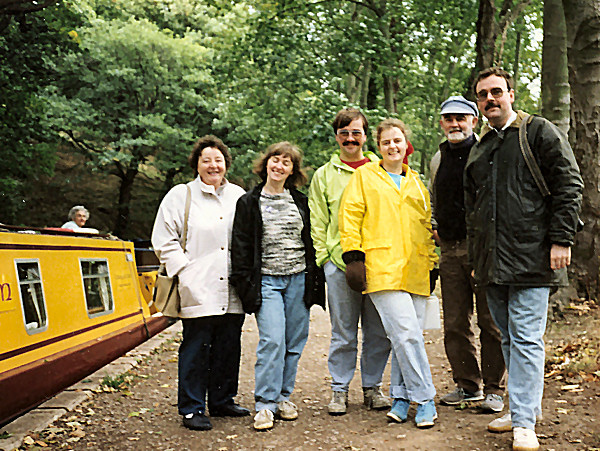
[{"x": 530, "y": 159}]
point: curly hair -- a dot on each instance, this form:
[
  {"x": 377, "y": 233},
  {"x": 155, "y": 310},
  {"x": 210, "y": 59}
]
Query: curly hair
[
  {"x": 203, "y": 143},
  {"x": 298, "y": 176}
]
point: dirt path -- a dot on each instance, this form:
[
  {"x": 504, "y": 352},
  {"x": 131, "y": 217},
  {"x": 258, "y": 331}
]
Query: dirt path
[{"x": 144, "y": 416}]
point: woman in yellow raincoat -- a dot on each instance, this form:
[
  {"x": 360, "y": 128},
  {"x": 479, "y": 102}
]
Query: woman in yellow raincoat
[{"x": 386, "y": 236}]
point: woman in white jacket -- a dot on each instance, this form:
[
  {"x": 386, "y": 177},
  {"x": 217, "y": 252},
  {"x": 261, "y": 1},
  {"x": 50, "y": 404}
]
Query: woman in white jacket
[{"x": 211, "y": 313}]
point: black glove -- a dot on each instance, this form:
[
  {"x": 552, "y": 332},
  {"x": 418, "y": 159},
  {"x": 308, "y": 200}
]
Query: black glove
[
  {"x": 356, "y": 273},
  {"x": 433, "y": 277}
]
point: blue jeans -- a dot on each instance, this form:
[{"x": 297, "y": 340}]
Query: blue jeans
[
  {"x": 345, "y": 308},
  {"x": 520, "y": 313},
  {"x": 411, "y": 375},
  {"x": 283, "y": 330}
]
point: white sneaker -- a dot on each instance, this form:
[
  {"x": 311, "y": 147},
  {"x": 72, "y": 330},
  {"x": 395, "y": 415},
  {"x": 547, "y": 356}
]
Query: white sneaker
[
  {"x": 263, "y": 420},
  {"x": 338, "y": 404},
  {"x": 525, "y": 440},
  {"x": 287, "y": 410},
  {"x": 504, "y": 423}
]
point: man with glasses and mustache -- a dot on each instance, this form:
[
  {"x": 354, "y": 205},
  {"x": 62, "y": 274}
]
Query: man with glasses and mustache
[
  {"x": 519, "y": 240},
  {"x": 346, "y": 306},
  {"x": 459, "y": 117}
]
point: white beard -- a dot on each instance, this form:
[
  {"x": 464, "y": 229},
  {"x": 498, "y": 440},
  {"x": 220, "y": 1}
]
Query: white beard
[{"x": 456, "y": 136}]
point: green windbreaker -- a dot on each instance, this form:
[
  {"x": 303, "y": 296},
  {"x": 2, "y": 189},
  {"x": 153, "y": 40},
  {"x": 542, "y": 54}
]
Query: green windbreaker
[{"x": 324, "y": 196}]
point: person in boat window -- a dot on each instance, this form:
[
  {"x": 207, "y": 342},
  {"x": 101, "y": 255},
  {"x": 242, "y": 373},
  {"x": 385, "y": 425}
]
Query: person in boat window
[
  {"x": 274, "y": 272},
  {"x": 211, "y": 312},
  {"x": 386, "y": 237},
  {"x": 78, "y": 216}
]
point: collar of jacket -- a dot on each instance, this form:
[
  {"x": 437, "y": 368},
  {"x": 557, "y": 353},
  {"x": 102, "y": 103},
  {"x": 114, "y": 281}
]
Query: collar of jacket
[
  {"x": 337, "y": 161},
  {"x": 209, "y": 189},
  {"x": 520, "y": 115},
  {"x": 255, "y": 192},
  {"x": 410, "y": 176}
]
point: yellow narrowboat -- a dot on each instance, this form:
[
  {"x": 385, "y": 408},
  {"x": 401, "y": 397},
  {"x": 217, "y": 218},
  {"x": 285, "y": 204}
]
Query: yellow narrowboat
[{"x": 69, "y": 304}]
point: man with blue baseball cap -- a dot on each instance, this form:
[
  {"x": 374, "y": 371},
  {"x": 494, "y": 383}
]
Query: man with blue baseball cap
[{"x": 459, "y": 117}]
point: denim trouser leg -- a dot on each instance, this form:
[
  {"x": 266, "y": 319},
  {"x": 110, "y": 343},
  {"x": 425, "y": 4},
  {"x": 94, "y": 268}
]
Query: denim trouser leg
[
  {"x": 345, "y": 308},
  {"x": 520, "y": 313},
  {"x": 400, "y": 321},
  {"x": 283, "y": 322}
]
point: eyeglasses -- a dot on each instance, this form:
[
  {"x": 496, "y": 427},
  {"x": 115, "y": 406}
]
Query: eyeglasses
[
  {"x": 346, "y": 133},
  {"x": 495, "y": 92}
]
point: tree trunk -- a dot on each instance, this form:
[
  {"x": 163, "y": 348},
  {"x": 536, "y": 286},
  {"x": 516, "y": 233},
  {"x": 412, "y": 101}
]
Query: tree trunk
[
  {"x": 556, "y": 94},
  {"x": 583, "y": 46},
  {"x": 125, "y": 189},
  {"x": 364, "y": 85},
  {"x": 515, "y": 70},
  {"x": 485, "y": 42}
]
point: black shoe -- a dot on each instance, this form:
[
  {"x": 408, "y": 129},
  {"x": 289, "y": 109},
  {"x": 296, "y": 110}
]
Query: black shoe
[
  {"x": 229, "y": 410},
  {"x": 198, "y": 422}
]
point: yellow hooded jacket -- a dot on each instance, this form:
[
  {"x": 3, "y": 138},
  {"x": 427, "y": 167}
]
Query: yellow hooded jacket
[{"x": 391, "y": 226}]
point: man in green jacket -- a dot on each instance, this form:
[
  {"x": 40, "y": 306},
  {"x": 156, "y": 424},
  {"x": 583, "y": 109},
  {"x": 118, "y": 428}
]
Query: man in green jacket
[
  {"x": 346, "y": 307},
  {"x": 519, "y": 239}
]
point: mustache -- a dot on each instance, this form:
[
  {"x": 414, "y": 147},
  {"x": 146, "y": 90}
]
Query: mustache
[
  {"x": 347, "y": 142},
  {"x": 491, "y": 105}
]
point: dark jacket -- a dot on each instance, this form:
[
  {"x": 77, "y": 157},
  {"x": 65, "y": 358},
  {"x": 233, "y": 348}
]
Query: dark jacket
[
  {"x": 447, "y": 191},
  {"x": 246, "y": 252},
  {"x": 510, "y": 225}
]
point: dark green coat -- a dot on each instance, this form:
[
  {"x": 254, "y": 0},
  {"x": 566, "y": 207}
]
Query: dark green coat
[{"x": 510, "y": 225}]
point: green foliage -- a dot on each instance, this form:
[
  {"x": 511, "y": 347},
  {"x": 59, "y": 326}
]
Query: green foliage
[
  {"x": 131, "y": 94},
  {"x": 26, "y": 141},
  {"x": 131, "y": 84}
]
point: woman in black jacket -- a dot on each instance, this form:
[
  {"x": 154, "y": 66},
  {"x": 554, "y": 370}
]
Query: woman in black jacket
[{"x": 275, "y": 275}]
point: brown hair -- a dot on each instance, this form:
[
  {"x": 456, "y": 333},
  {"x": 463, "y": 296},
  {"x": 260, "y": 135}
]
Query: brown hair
[
  {"x": 499, "y": 72},
  {"x": 391, "y": 123},
  {"x": 284, "y": 148},
  {"x": 203, "y": 143},
  {"x": 347, "y": 115}
]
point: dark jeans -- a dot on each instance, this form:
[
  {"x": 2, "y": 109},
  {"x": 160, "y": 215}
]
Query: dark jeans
[
  {"x": 209, "y": 362},
  {"x": 459, "y": 339}
]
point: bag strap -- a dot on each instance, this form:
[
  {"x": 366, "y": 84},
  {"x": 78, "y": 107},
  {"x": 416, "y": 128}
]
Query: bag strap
[
  {"x": 529, "y": 158},
  {"x": 188, "y": 202}
]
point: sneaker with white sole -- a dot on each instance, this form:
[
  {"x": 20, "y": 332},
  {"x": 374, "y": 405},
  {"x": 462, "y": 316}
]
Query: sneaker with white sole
[
  {"x": 375, "y": 399},
  {"x": 426, "y": 414},
  {"x": 263, "y": 420},
  {"x": 399, "y": 411},
  {"x": 525, "y": 440},
  {"x": 287, "y": 410},
  {"x": 338, "y": 404},
  {"x": 459, "y": 396},
  {"x": 492, "y": 403},
  {"x": 504, "y": 423}
]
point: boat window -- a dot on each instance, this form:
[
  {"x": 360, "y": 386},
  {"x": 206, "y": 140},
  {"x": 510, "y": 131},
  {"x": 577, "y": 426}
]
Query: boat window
[
  {"x": 32, "y": 296},
  {"x": 96, "y": 282}
]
